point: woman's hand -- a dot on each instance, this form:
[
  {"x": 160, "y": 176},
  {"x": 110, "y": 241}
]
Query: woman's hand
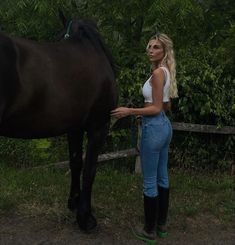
[{"x": 121, "y": 112}]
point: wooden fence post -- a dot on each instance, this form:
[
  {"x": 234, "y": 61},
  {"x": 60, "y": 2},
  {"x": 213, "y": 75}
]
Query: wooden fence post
[{"x": 137, "y": 160}]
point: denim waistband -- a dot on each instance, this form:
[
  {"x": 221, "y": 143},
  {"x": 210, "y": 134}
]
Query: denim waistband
[{"x": 161, "y": 116}]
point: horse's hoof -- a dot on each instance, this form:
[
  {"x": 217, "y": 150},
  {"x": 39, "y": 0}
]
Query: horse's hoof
[{"x": 87, "y": 224}]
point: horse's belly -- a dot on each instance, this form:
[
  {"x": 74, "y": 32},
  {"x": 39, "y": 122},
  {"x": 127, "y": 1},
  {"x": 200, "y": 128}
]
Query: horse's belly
[
  {"x": 30, "y": 133},
  {"x": 39, "y": 127},
  {"x": 44, "y": 124}
]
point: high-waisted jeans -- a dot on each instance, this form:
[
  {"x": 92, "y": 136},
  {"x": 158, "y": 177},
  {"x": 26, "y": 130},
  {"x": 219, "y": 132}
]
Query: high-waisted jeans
[{"x": 155, "y": 139}]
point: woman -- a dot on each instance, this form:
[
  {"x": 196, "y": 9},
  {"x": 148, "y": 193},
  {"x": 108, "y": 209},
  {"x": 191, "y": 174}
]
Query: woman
[{"x": 156, "y": 135}]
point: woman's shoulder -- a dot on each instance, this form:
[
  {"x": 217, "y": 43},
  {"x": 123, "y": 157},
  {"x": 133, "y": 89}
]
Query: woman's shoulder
[
  {"x": 165, "y": 71},
  {"x": 158, "y": 73}
]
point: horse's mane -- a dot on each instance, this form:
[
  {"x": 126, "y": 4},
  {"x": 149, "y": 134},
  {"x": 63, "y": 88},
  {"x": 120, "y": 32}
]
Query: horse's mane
[{"x": 88, "y": 29}]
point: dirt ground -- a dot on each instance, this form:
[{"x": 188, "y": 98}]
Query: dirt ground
[{"x": 22, "y": 230}]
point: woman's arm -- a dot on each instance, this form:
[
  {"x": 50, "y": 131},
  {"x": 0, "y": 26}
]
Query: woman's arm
[{"x": 155, "y": 108}]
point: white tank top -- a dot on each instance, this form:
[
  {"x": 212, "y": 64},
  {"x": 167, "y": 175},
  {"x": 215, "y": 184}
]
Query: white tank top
[{"x": 147, "y": 88}]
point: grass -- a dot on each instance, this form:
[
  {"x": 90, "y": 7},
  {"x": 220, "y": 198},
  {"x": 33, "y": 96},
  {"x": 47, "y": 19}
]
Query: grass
[{"x": 117, "y": 195}]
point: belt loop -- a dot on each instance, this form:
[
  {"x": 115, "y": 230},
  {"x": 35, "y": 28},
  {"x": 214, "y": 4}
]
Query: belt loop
[{"x": 164, "y": 115}]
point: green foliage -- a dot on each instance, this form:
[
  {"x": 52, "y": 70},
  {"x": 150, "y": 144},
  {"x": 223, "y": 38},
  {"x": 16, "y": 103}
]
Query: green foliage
[
  {"x": 205, "y": 152},
  {"x": 19, "y": 153},
  {"x": 33, "y": 19},
  {"x": 204, "y": 37},
  {"x": 206, "y": 94}
]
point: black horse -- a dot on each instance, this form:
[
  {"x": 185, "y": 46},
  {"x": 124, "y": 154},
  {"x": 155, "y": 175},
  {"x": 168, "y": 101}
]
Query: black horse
[{"x": 66, "y": 87}]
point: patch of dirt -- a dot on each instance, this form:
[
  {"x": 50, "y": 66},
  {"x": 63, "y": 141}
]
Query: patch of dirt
[{"x": 23, "y": 230}]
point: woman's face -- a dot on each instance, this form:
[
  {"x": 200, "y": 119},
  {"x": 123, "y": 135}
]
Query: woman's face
[{"x": 155, "y": 51}]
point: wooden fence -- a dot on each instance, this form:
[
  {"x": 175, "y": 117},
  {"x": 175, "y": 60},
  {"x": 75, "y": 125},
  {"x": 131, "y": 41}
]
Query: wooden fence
[
  {"x": 133, "y": 152},
  {"x": 211, "y": 129}
]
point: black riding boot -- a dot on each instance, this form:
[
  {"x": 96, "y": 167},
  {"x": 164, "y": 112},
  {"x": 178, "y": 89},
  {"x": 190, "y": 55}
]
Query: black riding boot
[
  {"x": 162, "y": 211},
  {"x": 148, "y": 232}
]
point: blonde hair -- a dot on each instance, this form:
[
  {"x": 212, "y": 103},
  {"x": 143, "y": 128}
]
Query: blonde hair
[{"x": 168, "y": 61}]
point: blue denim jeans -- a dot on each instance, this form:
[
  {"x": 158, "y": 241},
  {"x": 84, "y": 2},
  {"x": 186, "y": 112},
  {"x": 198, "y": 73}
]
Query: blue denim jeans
[{"x": 155, "y": 140}]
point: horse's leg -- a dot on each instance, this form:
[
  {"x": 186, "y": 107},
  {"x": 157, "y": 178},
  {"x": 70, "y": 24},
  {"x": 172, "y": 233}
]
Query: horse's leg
[
  {"x": 96, "y": 138},
  {"x": 75, "y": 140}
]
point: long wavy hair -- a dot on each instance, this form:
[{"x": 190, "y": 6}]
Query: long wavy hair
[{"x": 168, "y": 61}]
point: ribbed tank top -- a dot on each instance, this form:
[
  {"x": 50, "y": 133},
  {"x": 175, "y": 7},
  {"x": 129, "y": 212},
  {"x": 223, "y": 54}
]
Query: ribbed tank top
[{"x": 147, "y": 88}]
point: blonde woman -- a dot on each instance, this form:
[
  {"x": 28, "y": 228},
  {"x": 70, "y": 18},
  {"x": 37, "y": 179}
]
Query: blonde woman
[{"x": 156, "y": 135}]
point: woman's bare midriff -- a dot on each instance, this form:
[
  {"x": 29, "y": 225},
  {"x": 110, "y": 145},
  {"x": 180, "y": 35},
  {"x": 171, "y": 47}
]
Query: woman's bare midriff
[{"x": 166, "y": 105}]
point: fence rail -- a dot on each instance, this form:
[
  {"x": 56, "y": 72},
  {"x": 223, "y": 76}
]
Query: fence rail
[
  {"x": 102, "y": 157},
  {"x": 211, "y": 129},
  {"x": 133, "y": 152}
]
